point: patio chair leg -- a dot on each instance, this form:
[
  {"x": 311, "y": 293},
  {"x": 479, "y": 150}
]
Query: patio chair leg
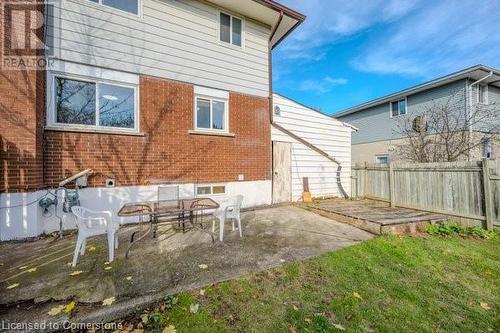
[
  {"x": 239, "y": 226},
  {"x": 111, "y": 247},
  {"x": 232, "y": 223},
  {"x": 221, "y": 229},
  {"x": 84, "y": 245},
  {"x": 78, "y": 246},
  {"x": 116, "y": 240}
]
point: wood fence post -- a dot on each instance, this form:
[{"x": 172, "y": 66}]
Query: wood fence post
[
  {"x": 365, "y": 179},
  {"x": 392, "y": 188},
  {"x": 488, "y": 203}
]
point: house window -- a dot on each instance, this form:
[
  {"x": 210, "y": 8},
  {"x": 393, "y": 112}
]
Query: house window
[
  {"x": 382, "y": 159},
  {"x": 129, "y": 6},
  {"x": 211, "y": 190},
  {"x": 488, "y": 148},
  {"x": 93, "y": 104},
  {"x": 211, "y": 114},
  {"x": 482, "y": 94},
  {"x": 230, "y": 29},
  {"x": 398, "y": 108}
]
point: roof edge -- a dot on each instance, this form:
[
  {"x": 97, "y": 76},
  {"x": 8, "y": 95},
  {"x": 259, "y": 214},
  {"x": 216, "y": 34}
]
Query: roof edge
[
  {"x": 438, "y": 81},
  {"x": 282, "y": 8}
]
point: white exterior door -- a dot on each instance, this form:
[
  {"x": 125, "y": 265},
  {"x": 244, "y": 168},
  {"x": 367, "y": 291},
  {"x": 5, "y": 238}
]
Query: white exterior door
[{"x": 282, "y": 172}]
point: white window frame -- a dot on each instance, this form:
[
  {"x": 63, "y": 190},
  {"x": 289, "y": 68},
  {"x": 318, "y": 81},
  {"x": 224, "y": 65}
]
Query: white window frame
[
  {"x": 486, "y": 94},
  {"x": 139, "y": 8},
  {"x": 211, "y": 95},
  {"x": 243, "y": 27},
  {"x": 211, "y": 186},
  {"x": 382, "y": 156},
  {"x": 399, "y": 111},
  {"x": 52, "y": 112}
]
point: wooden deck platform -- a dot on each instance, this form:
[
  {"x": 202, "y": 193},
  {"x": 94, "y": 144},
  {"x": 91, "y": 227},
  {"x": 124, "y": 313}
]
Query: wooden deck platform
[{"x": 375, "y": 216}]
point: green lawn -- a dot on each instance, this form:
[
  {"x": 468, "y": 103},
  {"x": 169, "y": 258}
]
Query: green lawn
[{"x": 389, "y": 284}]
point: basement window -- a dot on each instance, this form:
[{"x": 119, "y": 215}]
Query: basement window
[
  {"x": 81, "y": 103},
  {"x": 210, "y": 190},
  {"x": 230, "y": 29}
]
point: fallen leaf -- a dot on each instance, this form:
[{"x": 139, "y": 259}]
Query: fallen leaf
[
  {"x": 485, "y": 306},
  {"x": 75, "y": 273},
  {"x": 202, "y": 292},
  {"x": 106, "y": 263},
  {"x": 69, "y": 307},
  {"x": 23, "y": 267},
  {"x": 308, "y": 320},
  {"x": 128, "y": 278},
  {"x": 295, "y": 308},
  {"x": 145, "y": 318},
  {"x": 203, "y": 266},
  {"x": 31, "y": 270},
  {"x": 138, "y": 330},
  {"x": 169, "y": 329},
  {"x": 339, "y": 327},
  {"x": 55, "y": 310},
  {"x": 12, "y": 286},
  {"x": 107, "y": 268},
  {"x": 193, "y": 308},
  {"x": 91, "y": 248},
  {"x": 108, "y": 301},
  {"x": 282, "y": 260},
  {"x": 292, "y": 329},
  {"x": 68, "y": 264},
  {"x": 355, "y": 294}
]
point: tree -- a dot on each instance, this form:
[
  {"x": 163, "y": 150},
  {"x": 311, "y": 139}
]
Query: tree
[{"x": 448, "y": 130}]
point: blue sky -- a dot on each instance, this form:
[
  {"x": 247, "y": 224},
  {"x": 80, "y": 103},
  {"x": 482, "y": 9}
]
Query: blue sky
[{"x": 348, "y": 52}]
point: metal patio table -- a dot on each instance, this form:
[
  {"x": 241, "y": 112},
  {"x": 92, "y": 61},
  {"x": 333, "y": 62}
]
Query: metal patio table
[{"x": 182, "y": 211}]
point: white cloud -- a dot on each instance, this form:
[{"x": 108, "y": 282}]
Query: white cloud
[
  {"x": 321, "y": 86},
  {"x": 440, "y": 37},
  {"x": 406, "y": 37},
  {"x": 329, "y": 21}
]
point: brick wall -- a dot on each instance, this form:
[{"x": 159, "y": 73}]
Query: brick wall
[
  {"x": 166, "y": 150},
  {"x": 22, "y": 108}
]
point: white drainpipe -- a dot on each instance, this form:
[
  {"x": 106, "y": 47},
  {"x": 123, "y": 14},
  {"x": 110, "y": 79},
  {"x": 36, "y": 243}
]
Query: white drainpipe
[{"x": 490, "y": 74}]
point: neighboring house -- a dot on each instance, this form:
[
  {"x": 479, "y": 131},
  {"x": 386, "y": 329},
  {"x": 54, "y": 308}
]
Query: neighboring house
[
  {"x": 307, "y": 143},
  {"x": 377, "y": 120},
  {"x": 176, "y": 91}
]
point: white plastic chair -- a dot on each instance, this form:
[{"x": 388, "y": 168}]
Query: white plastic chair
[
  {"x": 228, "y": 210},
  {"x": 91, "y": 223}
]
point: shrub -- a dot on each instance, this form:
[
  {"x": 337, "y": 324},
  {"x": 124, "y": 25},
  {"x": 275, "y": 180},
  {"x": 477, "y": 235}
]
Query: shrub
[{"x": 454, "y": 229}]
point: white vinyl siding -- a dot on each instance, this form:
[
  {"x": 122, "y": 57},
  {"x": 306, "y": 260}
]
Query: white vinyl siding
[
  {"x": 173, "y": 39},
  {"x": 326, "y": 133}
]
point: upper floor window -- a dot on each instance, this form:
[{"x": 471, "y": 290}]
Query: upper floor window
[
  {"x": 231, "y": 29},
  {"x": 398, "y": 108},
  {"x": 382, "y": 159},
  {"x": 129, "y": 6},
  {"x": 482, "y": 94},
  {"x": 93, "y": 104}
]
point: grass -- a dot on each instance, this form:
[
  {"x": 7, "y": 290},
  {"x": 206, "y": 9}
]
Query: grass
[{"x": 403, "y": 284}]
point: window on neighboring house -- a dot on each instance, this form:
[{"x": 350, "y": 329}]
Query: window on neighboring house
[
  {"x": 94, "y": 104},
  {"x": 210, "y": 190},
  {"x": 211, "y": 114},
  {"x": 382, "y": 159},
  {"x": 231, "y": 29},
  {"x": 488, "y": 148},
  {"x": 129, "y": 6},
  {"x": 398, "y": 108},
  {"x": 482, "y": 94}
]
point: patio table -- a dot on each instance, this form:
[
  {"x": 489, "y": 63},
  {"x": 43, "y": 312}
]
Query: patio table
[{"x": 184, "y": 210}]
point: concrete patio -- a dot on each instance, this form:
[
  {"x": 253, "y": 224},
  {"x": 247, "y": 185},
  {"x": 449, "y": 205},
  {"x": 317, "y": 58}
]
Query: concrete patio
[{"x": 171, "y": 263}]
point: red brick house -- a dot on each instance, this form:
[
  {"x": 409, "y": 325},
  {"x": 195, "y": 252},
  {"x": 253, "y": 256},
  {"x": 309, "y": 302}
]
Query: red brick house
[{"x": 172, "y": 90}]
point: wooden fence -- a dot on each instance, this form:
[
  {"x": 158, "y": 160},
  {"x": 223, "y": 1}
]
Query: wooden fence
[{"x": 468, "y": 191}]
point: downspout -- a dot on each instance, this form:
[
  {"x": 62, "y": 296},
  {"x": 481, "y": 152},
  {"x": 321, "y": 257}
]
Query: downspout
[
  {"x": 270, "y": 66},
  {"x": 490, "y": 74},
  {"x": 319, "y": 151}
]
